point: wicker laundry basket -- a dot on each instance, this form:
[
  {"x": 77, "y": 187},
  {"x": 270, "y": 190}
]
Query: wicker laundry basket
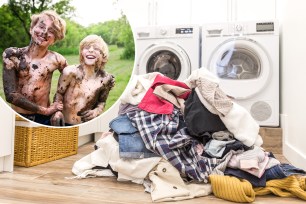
[{"x": 37, "y": 145}]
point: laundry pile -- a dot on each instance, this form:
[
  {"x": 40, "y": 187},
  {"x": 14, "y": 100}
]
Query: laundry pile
[{"x": 188, "y": 139}]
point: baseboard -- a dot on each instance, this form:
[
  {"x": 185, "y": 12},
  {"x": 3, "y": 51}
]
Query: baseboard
[
  {"x": 295, "y": 157},
  {"x": 292, "y": 154},
  {"x": 7, "y": 163},
  {"x": 85, "y": 139},
  {"x": 1, "y": 164}
]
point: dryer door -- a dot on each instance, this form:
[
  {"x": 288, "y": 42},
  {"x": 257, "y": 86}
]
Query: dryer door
[
  {"x": 243, "y": 67},
  {"x": 166, "y": 58}
]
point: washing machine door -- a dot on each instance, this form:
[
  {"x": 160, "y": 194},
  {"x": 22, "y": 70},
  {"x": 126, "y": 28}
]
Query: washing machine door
[
  {"x": 243, "y": 67},
  {"x": 167, "y": 58}
]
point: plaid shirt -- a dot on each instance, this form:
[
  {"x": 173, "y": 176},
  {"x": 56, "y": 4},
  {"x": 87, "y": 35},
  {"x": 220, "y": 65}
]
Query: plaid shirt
[{"x": 161, "y": 135}]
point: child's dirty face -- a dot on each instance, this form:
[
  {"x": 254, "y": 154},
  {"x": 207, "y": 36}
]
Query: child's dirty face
[
  {"x": 43, "y": 33},
  {"x": 92, "y": 54}
]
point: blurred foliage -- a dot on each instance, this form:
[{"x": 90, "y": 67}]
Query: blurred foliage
[
  {"x": 12, "y": 33},
  {"x": 126, "y": 39},
  {"x": 24, "y": 9}
]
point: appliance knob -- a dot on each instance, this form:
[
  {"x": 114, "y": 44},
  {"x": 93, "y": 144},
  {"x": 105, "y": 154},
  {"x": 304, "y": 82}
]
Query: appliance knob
[
  {"x": 238, "y": 27},
  {"x": 163, "y": 31}
]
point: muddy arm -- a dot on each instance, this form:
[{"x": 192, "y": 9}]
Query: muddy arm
[
  {"x": 96, "y": 107},
  {"x": 91, "y": 114},
  {"x": 12, "y": 96},
  {"x": 104, "y": 95},
  {"x": 63, "y": 84},
  {"x": 100, "y": 105},
  {"x": 62, "y": 63},
  {"x": 58, "y": 118}
]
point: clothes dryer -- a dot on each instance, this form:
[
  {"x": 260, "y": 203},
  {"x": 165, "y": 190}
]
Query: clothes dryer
[
  {"x": 245, "y": 57},
  {"x": 171, "y": 50}
]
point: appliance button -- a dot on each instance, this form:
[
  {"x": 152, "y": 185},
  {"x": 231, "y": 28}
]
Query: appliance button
[
  {"x": 163, "y": 31},
  {"x": 238, "y": 27}
]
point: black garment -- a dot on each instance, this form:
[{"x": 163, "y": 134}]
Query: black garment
[
  {"x": 38, "y": 118},
  {"x": 255, "y": 181},
  {"x": 108, "y": 167},
  {"x": 199, "y": 119},
  {"x": 237, "y": 145}
]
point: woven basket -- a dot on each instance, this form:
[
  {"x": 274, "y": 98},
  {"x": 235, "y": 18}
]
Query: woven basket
[
  {"x": 18, "y": 118},
  {"x": 38, "y": 145}
]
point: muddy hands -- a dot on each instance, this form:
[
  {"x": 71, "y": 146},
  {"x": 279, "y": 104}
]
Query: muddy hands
[
  {"x": 112, "y": 80},
  {"x": 57, "y": 119},
  {"x": 56, "y": 106},
  {"x": 88, "y": 115}
]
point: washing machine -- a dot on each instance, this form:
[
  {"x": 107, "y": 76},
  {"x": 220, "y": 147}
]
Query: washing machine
[
  {"x": 171, "y": 50},
  {"x": 245, "y": 57}
]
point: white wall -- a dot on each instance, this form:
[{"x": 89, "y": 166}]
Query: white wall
[
  {"x": 166, "y": 12},
  {"x": 293, "y": 79},
  {"x": 244, "y": 10}
]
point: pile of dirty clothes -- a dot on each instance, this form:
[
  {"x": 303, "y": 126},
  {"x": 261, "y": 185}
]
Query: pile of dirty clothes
[{"x": 186, "y": 139}]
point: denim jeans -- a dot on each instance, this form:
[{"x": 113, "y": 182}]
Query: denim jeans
[
  {"x": 276, "y": 172},
  {"x": 131, "y": 144},
  {"x": 282, "y": 171}
]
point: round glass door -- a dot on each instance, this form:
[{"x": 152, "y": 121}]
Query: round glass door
[
  {"x": 165, "y": 62},
  {"x": 239, "y": 63},
  {"x": 167, "y": 58},
  {"x": 243, "y": 67}
]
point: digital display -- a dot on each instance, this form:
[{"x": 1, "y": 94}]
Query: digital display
[
  {"x": 267, "y": 26},
  {"x": 183, "y": 30}
]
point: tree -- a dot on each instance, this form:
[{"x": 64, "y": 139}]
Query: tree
[
  {"x": 126, "y": 39},
  {"x": 116, "y": 32},
  {"x": 23, "y": 9},
  {"x": 70, "y": 44},
  {"x": 11, "y": 30}
]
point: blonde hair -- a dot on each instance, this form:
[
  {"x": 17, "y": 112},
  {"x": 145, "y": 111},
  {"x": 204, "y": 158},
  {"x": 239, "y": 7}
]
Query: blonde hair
[
  {"x": 91, "y": 39},
  {"x": 59, "y": 24}
]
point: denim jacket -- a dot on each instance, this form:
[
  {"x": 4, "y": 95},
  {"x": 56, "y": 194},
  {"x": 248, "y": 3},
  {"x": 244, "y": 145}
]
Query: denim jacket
[{"x": 131, "y": 144}]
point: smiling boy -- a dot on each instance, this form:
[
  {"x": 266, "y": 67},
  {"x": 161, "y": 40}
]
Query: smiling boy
[
  {"x": 84, "y": 88},
  {"x": 27, "y": 71}
]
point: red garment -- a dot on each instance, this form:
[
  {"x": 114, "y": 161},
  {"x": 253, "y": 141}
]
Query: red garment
[{"x": 153, "y": 104}]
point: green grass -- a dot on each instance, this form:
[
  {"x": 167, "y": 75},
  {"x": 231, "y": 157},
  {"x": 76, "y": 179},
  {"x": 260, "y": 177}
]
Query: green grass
[{"x": 121, "y": 69}]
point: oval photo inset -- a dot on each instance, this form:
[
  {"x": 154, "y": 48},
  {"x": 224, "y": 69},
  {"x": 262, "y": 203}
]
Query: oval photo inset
[{"x": 65, "y": 67}]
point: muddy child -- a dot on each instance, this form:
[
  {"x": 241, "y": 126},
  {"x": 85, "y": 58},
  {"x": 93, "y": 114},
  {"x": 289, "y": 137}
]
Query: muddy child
[
  {"x": 84, "y": 88},
  {"x": 27, "y": 71}
]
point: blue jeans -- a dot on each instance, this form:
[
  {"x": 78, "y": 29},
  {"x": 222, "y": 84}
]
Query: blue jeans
[
  {"x": 276, "y": 172},
  {"x": 131, "y": 144},
  {"x": 282, "y": 171}
]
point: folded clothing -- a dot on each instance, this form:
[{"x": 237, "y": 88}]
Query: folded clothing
[{"x": 253, "y": 161}]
